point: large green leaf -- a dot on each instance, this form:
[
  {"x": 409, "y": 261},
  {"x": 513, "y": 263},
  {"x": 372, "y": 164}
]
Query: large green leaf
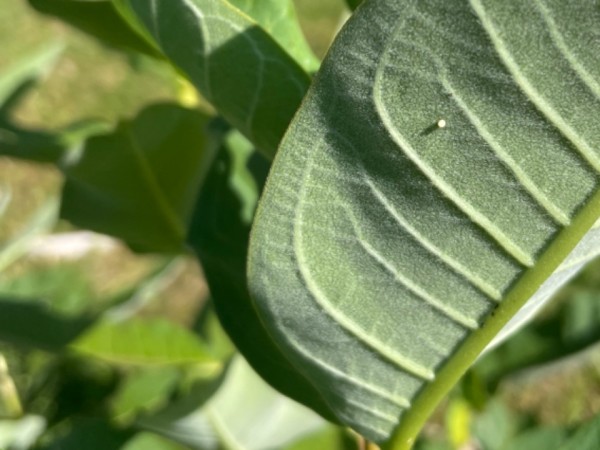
[
  {"x": 443, "y": 165},
  {"x": 140, "y": 182},
  {"x": 232, "y": 61},
  {"x": 279, "y": 19}
]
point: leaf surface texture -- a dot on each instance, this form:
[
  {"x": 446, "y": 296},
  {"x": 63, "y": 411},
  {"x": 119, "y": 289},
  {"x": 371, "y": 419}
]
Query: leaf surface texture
[{"x": 443, "y": 165}]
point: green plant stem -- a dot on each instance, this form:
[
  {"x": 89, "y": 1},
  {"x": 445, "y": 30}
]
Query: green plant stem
[{"x": 405, "y": 434}]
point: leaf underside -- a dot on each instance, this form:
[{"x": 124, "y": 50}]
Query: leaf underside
[{"x": 443, "y": 165}]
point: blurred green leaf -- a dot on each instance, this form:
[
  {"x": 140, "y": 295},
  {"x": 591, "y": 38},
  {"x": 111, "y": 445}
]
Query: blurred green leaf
[
  {"x": 267, "y": 419},
  {"x": 63, "y": 287},
  {"x": 330, "y": 438},
  {"x": 240, "y": 69},
  {"x": 586, "y": 438},
  {"x": 208, "y": 326},
  {"x": 78, "y": 387},
  {"x": 279, "y": 19},
  {"x": 143, "y": 392},
  {"x": 182, "y": 419},
  {"x": 90, "y": 434},
  {"x": 220, "y": 237},
  {"x": 10, "y": 403},
  {"x": 15, "y": 81},
  {"x": 24, "y": 71},
  {"x": 548, "y": 438},
  {"x": 496, "y": 426},
  {"x": 144, "y": 342},
  {"x": 99, "y": 19},
  {"x": 33, "y": 325},
  {"x": 244, "y": 414},
  {"x": 150, "y": 441},
  {"x": 140, "y": 182},
  {"x": 42, "y": 220},
  {"x": 21, "y": 434},
  {"x": 30, "y": 144}
]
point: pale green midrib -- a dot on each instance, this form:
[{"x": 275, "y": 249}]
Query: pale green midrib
[
  {"x": 538, "y": 99},
  {"x": 450, "y": 313},
  {"x": 560, "y": 43},
  {"x": 485, "y": 288},
  {"x": 171, "y": 217},
  {"x": 543, "y": 201},
  {"x": 402, "y": 362},
  {"x": 469, "y": 350}
]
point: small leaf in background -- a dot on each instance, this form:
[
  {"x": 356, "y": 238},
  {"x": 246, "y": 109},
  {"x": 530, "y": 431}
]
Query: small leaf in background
[
  {"x": 279, "y": 19},
  {"x": 241, "y": 70},
  {"x": 143, "y": 392},
  {"x": 99, "y": 19},
  {"x": 140, "y": 182},
  {"x": 145, "y": 342}
]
